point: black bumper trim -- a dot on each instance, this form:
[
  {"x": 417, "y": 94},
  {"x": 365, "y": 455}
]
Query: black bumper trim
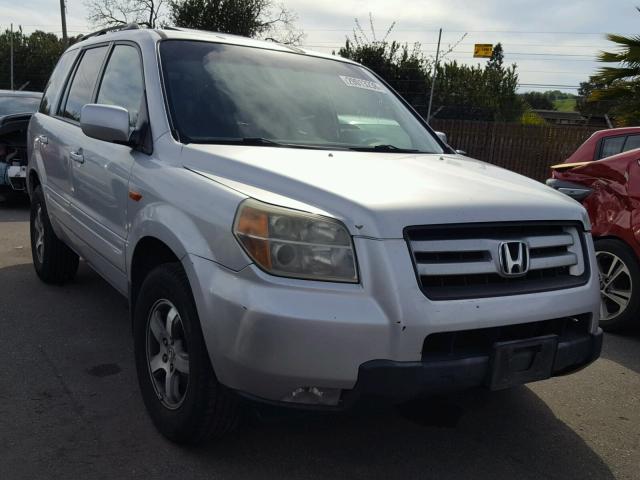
[{"x": 406, "y": 380}]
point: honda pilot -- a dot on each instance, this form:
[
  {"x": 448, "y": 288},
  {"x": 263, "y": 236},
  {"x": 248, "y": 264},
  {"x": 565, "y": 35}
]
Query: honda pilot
[{"x": 288, "y": 230}]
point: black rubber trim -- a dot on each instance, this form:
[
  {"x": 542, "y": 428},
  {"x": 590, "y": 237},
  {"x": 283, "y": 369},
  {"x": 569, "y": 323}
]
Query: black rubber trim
[{"x": 405, "y": 380}]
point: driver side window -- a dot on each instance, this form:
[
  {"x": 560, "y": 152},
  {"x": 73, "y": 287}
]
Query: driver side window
[{"x": 122, "y": 83}]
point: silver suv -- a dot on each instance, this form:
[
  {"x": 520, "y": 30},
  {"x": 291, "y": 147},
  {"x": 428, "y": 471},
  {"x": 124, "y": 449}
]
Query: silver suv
[{"x": 288, "y": 230}]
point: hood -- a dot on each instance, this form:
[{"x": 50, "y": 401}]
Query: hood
[{"x": 379, "y": 194}]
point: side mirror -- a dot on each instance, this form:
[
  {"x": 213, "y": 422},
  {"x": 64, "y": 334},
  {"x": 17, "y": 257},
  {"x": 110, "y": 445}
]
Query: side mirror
[
  {"x": 109, "y": 123},
  {"x": 442, "y": 136},
  {"x": 461, "y": 152}
]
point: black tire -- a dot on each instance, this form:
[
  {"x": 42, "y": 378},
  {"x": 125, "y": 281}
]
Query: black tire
[
  {"x": 207, "y": 409},
  {"x": 55, "y": 263},
  {"x": 627, "y": 317}
]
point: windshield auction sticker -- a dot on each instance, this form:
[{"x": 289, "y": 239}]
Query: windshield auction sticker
[{"x": 361, "y": 83}]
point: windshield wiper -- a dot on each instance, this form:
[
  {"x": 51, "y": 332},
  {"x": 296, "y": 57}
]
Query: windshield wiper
[
  {"x": 262, "y": 142},
  {"x": 237, "y": 141},
  {"x": 385, "y": 148}
]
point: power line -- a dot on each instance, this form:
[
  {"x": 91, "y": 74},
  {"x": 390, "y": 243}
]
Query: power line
[{"x": 469, "y": 31}]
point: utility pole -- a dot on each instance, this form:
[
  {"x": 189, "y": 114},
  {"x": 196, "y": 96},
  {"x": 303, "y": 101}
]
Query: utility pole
[
  {"x": 11, "y": 48},
  {"x": 63, "y": 16},
  {"x": 433, "y": 77}
]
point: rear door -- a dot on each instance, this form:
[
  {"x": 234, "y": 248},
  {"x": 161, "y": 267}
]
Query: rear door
[
  {"x": 100, "y": 170},
  {"x": 45, "y": 147}
]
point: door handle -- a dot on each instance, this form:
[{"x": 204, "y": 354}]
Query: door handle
[
  {"x": 77, "y": 157},
  {"x": 42, "y": 139}
]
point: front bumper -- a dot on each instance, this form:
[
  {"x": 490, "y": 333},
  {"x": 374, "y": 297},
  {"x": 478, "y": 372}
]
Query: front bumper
[{"x": 269, "y": 336}]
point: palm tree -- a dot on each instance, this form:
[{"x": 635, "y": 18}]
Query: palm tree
[{"x": 621, "y": 83}]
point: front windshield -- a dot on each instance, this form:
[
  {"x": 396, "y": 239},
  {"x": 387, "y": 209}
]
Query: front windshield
[
  {"x": 10, "y": 104},
  {"x": 220, "y": 93}
]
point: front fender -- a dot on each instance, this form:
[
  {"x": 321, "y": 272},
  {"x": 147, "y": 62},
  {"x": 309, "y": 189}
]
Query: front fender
[
  {"x": 189, "y": 213},
  {"x": 183, "y": 235}
]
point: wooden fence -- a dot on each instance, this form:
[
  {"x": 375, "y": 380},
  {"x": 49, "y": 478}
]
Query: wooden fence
[{"x": 528, "y": 150}]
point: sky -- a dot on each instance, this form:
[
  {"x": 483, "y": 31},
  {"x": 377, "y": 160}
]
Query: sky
[{"x": 553, "y": 42}]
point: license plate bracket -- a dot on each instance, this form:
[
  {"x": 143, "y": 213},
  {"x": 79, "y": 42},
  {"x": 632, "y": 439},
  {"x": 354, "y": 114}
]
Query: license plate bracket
[{"x": 517, "y": 362}]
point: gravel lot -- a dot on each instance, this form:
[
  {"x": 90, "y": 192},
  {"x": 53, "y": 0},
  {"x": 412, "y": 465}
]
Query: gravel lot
[{"x": 70, "y": 407}]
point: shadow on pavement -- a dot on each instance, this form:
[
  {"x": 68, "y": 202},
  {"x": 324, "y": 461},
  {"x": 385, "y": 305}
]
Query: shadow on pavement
[
  {"x": 71, "y": 405},
  {"x": 623, "y": 349},
  {"x": 14, "y": 210}
]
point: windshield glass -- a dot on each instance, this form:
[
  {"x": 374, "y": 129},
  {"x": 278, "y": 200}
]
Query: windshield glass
[
  {"x": 11, "y": 104},
  {"x": 221, "y": 93}
]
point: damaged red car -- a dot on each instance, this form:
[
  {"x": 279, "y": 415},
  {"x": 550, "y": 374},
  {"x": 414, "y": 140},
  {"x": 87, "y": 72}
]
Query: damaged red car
[{"x": 610, "y": 191}]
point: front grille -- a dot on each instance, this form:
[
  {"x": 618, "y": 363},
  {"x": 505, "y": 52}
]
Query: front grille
[
  {"x": 462, "y": 261},
  {"x": 465, "y": 343}
]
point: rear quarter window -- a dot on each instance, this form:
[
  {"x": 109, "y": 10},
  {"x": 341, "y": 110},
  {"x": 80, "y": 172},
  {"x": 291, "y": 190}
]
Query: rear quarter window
[
  {"x": 83, "y": 82},
  {"x": 56, "y": 82},
  {"x": 611, "y": 146}
]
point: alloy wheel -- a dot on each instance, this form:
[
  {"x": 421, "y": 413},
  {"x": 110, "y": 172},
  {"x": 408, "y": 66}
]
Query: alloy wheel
[
  {"x": 38, "y": 225},
  {"x": 615, "y": 285},
  {"x": 167, "y": 355}
]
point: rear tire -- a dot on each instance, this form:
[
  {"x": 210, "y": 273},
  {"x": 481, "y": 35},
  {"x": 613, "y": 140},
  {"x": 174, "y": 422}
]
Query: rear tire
[
  {"x": 184, "y": 399},
  {"x": 53, "y": 260},
  {"x": 619, "y": 285}
]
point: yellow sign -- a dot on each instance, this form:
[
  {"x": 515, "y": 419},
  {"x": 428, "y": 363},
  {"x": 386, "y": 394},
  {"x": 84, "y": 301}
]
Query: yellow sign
[{"x": 482, "y": 50}]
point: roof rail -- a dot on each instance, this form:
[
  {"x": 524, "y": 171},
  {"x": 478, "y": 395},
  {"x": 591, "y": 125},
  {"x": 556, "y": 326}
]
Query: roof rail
[
  {"x": 293, "y": 48},
  {"x": 116, "y": 28},
  {"x": 193, "y": 30}
]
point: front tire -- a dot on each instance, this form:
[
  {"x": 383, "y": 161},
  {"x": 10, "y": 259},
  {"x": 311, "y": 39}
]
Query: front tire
[
  {"x": 53, "y": 261},
  {"x": 184, "y": 399},
  {"x": 619, "y": 285}
]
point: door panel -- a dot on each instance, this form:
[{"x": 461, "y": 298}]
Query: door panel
[
  {"x": 51, "y": 164},
  {"x": 100, "y": 170},
  {"x": 100, "y": 195}
]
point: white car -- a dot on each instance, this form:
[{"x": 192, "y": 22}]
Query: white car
[{"x": 288, "y": 230}]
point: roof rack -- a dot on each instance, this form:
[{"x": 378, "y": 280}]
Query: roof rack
[{"x": 117, "y": 28}]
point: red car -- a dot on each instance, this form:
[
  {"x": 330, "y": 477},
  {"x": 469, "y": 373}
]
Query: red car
[
  {"x": 610, "y": 191},
  {"x": 606, "y": 143}
]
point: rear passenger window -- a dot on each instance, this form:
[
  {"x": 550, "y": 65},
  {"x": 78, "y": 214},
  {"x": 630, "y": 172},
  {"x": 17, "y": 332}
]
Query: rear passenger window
[
  {"x": 122, "y": 83},
  {"x": 612, "y": 146},
  {"x": 83, "y": 83},
  {"x": 633, "y": 142},
  {"x": 56, "y": 81}
]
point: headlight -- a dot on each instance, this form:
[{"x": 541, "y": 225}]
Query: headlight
[{"x": 290, "y": 243}]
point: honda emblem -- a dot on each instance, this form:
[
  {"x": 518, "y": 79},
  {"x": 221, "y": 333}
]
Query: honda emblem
[{"x": 514, "y": 259}]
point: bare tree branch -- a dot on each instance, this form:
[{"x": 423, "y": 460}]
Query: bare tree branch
[{"x": 107, "y": 13}]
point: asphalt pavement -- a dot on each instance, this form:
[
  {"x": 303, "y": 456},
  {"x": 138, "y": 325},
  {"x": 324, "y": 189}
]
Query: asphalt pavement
[{"x": 70, "y": 407}]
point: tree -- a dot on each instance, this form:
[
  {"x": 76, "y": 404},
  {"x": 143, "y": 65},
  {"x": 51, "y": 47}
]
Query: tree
[
  {"x": 462, "y": 91},
  {"x": 35, "y": 56},
  {"x": 587, "y": 105},
  {"x": 109, "y": 13},
  {"x": 538, "y": 100},
  {"x": 249, "y": 18},
  {"x": 404, "y": 68},
  {"x": 502, "y": 84},
  {"x": 619, "y": 86}
]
